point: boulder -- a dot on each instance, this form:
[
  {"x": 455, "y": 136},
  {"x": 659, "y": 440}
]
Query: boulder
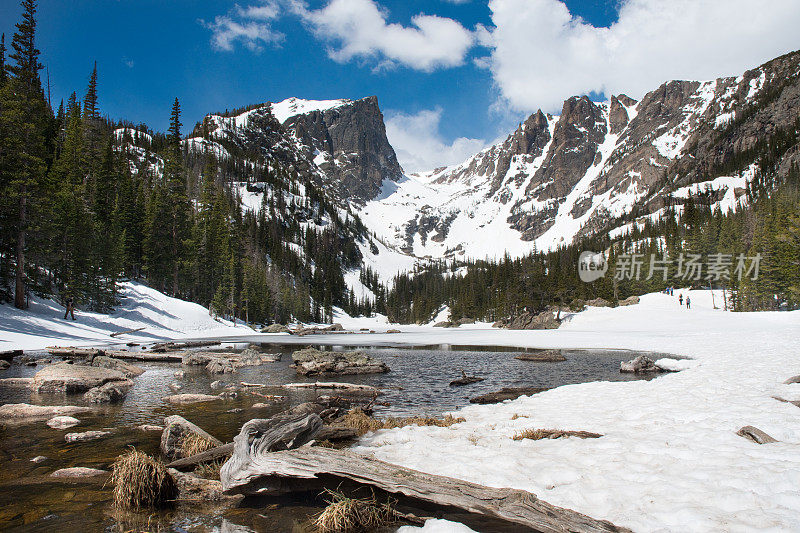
[
  {"x": 196, "y": 359},
  {"x": 311, "y": 361},
  {"x": 130, "y": 371},
  {"x": 218, "y": 365},
  {"x": 249, "y": 357},
  {"x": 63, "y": 422},
  {"x": 506, "y": 393},
  {"x": 465, "y": 320},
  {"x": 70, "y": 378},
  {"x": 111, "y": 392},
  {"x": 639, "y": 365},
  {"x": 25, "y": 411},
  {"x": 78, "y": 472},
  {"x": 275, "y": 328},
  {"x": 444, "y": 324},
  {"x": 86, "y": 436},
  {"x": 4, "y": 365},
  {"x": 190, "y": 398},
  {"x": 193, "y": 488},
  {"x": 544, "y": 356},
  {"x": 630, "y": 300},
  {"x": 598, "y": 302},
  {"x": 176, "y": 429}
]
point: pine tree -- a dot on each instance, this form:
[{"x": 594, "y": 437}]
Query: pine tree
[{"x": 24, "y": 124}]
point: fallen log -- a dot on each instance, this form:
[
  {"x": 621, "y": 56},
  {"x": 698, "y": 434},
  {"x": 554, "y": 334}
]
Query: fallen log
[
  {"x": 350, "y": 387},
  {"x": 506, "y": 393},
  {"x": 165, "y": 357},
  {"x": 118, "y": 333},
  {"x": 287, "y": 471},
  {"x": 171, "y": 345},
  {"x": 208, "y": 456},
  {"x": 465, "y": 380},
  {"x": 61, "y": 351}
]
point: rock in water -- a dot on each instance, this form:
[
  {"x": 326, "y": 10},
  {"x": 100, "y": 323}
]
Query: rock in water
[
  {"x": 639, "y": 365},
  {"x": 190, "y": 398},
  {"x": 506, "y": 393},
  {"x": 26, "y": 412},
  {"x": 70, "y": 378},
  {"x": 546, "y": 356},
  {"x": 63, "y": 422},
  {"x": 176, "y": 429},
  {"x": 311, "y": 361},
  {"x": 114, "y": 391},
  {"x": 250, "y": 357},
  {"x": 130, "y": 371},
  {"x": 86, "y": 436},
  {"x": 196, "y": 359},
  {"x": 78, "y": 472},
  {"x": 219, "y": 365}
]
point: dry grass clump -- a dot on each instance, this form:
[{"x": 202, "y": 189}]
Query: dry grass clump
[
  {"x": 352, "y": 515},
  {"x": 539, "y": 434},
  {"x": 141, "y": 482},
  {"x": 210, "y": 470},
  {"x": 192, "y": 444},
  {"x": 517, "y": 415},
  {"x": 362, "y": 423}
]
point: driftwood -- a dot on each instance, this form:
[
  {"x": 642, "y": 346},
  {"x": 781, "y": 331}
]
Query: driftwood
[
  {"x": 506, "y": 393},
  {"x": 118, "y": 333},
  {"x": 545, "y": 356},
  {"x": 286, "y": 471},
  {"x": 261, "y": 437},
  {"x": 166, "y": 357},
  {"x": 465, "y": 380},
  {"x": 74, "y": 352},
  {"x": 208, "y": 456},
  {"x": 756, "y": 435},
  {"x": 349, "y": 387},
  {"x": 170, "y": 346}
]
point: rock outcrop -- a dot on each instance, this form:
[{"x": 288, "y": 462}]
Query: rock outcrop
[
  {"x": 311, "y": 362},
  {"x": 71, "y": 378},
  {"x": 176, "y": 430}
]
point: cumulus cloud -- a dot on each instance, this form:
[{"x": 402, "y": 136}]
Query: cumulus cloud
[
  {"x": 246, "y": 25},
  {"x": 541, "y": 54},
  {"x": 419, "y": 145},
  {"x": 359, "y": 29}
]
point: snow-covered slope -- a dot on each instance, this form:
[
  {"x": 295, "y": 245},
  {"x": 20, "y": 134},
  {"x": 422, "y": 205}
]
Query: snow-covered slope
[{"x": 161, "y": 316}]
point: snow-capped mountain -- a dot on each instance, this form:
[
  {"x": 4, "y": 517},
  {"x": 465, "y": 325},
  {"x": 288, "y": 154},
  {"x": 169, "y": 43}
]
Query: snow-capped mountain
[{"x": 557, "y": 178}]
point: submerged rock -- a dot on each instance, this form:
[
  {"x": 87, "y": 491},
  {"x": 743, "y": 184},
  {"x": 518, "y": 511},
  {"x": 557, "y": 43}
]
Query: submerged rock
[
  {"x": 149, "y": 427},
  {"x": 71, "y": 378},
  {"x": 63, "y": 422},
  {"x": 196, "y": 359},
  {"x": 114, "y": 391},
  {"x": 190, "y": 398},
  {"x": 546, "y": 356},
  {"x": 200, "y": 489},
  {"x": 249, "y": 357},
  {"x": 39, "y": 459},
  {"x": 26, "y": 411},
  {"x": 78, "y": 472},
  {"x": 465, "y": 380},
  {"x": 17, "y": 382},
  {"x": 311, "y": 361},
  {"x": 86, "y": 436},
  {"x": 175, "y": 387}
]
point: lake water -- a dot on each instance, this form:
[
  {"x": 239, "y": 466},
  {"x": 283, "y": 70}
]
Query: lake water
[{"x": 417, "y": 384}]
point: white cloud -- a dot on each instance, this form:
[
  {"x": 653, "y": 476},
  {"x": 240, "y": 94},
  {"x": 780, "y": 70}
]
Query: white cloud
[
  {"x": 541, "y": 54},
  {"x": 247, "y": 25},
  {"x": 419, "y": 145},
  {"x": 359, "y": 29}
]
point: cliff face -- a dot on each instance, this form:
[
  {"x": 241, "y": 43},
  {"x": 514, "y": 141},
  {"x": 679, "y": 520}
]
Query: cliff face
[
  {"x": 349, "y": 145},
  {"x": 557, "y": 178}
]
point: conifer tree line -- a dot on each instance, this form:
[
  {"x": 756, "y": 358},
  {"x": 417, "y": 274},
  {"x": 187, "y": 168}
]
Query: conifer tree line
[
  {"x": 86, "y": 202},
  {"x": 768, "y": 224}
]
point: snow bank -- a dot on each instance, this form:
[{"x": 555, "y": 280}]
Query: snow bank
[
  {"x": 670, "y": 459},
  {"x": 140, "y": 306}
]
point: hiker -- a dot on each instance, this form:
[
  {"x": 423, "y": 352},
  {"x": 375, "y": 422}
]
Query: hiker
[
  {"x": 69, "y": 304},
  {"x": 688, "y": 303},
  {"x": 680, "y": 299}
]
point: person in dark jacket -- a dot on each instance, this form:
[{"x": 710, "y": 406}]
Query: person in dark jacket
[
  {"x": 70, "y": 305},
  {"x": 680, "y": 299},
  {"x": 688, "y": 303}
]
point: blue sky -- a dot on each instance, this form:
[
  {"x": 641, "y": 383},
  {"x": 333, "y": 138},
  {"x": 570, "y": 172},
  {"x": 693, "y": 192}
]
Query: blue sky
[{"x": 514, "y": 56}]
